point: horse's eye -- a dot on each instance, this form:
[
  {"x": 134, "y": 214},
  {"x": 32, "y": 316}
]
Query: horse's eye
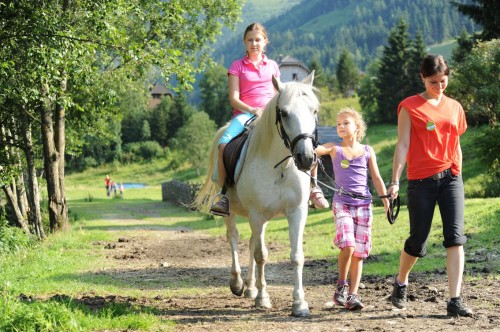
[{"x": 283, "y": 113}]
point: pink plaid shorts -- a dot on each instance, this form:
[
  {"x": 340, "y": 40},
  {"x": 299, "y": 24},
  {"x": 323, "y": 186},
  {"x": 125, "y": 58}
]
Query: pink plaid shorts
[{"x": 354, "y": 227}]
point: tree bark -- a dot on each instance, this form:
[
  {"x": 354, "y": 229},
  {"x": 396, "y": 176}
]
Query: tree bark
[
  {"x": 10, "y": 193},
  {"x": 35, "y": 215},
  {"x": 58, "y": 212}
]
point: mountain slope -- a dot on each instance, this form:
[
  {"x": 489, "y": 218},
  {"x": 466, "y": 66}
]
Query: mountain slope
[{"x": 322, "y": 28}]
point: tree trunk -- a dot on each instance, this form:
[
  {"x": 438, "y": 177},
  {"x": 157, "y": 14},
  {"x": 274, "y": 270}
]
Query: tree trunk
[
  {"x": 35, "y": 215},
  {"x": 58, "y": 212},
  {"x": 10, "y": 193}
]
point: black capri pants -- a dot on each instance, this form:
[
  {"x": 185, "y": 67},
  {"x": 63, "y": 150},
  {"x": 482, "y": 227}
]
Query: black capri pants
[{"x": 422, "y": 196}]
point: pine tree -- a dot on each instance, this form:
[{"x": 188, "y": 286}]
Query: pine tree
[
  {"x": 347, "y": 73},
  {"x": 417, "y": 54},
  {"x": 485, "y": 13},
  {"x": 392, "y": 79}
]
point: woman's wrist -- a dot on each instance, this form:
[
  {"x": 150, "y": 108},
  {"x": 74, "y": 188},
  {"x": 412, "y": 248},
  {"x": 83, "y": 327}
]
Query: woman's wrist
[{"x": 394, "y": 183}]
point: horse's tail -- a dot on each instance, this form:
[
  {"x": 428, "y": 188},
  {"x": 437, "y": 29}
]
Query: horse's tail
[{"x": 208, "y": 190}]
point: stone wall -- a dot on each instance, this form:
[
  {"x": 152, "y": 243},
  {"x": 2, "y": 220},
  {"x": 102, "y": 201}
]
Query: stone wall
[{"x": 179, "y": 192}]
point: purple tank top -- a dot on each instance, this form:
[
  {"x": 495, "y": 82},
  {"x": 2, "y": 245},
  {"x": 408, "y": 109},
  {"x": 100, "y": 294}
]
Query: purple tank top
[{"x": 351, "y": 175}]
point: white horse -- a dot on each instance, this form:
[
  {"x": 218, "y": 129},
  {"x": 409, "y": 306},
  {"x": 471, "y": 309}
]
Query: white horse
[{"x": 267, "y": 188}]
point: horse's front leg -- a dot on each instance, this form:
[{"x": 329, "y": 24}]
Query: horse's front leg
[
  {"x": 258, "y": 245},
  {"x": 296, "y": 224},
  {"x": 236, "y": 282}
]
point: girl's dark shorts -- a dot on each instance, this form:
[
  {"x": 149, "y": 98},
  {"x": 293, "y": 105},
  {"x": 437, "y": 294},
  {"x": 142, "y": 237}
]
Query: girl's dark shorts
[{"x": 422, "y": 196}]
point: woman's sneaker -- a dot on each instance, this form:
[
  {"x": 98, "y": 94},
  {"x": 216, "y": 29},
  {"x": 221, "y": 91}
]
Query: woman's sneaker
[
  {"x": 353, "y": 302},
  {"x": 399, "y": 294},
  {"x": 339, "y": 295},
  {"x": 455, "y": 307}
]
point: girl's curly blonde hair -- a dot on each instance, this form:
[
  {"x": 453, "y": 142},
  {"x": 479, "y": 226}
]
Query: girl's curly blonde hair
[{"x": 358, "y": 120}]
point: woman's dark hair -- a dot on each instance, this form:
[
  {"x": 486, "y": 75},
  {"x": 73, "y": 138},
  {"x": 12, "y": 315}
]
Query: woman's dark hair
[{"x": 434, "y": 64}]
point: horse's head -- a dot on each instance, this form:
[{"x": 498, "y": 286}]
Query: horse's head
[{"x": 296, "y": 119}]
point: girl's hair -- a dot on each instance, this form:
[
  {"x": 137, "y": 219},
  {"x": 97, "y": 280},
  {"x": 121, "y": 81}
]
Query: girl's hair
[
  {"x": 433, "y": 64},
  {"x": 256, "y": 27},
  {"x": 358, "y": 121}
]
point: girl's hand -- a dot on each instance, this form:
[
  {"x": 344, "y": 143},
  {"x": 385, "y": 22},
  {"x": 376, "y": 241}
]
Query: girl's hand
[{"x": 386, "y": 204}]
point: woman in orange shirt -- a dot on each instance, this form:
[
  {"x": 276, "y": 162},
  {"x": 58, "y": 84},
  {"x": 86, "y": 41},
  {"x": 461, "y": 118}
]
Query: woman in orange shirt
[{"x": 429, "y": 128}]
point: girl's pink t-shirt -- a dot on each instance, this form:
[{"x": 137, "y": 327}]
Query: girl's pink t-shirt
[{"x": 256, "y": 86}]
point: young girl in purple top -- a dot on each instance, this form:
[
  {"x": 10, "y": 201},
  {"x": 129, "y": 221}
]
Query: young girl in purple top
[
  {"x": 353, "y": 217},
  {"x": 250, "y": 89}
]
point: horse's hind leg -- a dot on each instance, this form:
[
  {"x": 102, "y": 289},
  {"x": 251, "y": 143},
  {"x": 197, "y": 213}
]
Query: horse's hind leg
[{"x": 236, "y": 282}]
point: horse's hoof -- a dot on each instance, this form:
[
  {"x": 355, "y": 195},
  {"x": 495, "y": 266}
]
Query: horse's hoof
[
  {"x": 236, "y": 286},
  {"x": 300, "y": 309},
  {"x": 263, "y": 303},
  {"x": 251, "y": 293}
]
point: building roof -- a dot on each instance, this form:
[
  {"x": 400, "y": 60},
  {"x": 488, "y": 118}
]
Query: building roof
[
  {"x": 291, "y": 61},
  {"x": 159, "y": 89}
]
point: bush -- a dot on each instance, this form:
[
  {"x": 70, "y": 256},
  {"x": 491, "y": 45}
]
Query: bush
[
  {"x": 139, "y": 151},
  {"x": 13, "y": 239}
]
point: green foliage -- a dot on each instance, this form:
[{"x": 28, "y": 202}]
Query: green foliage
[
  {"x": 13, "y": 239},
  {"x": 392, "y": 78},
  {"x": 214, "y": 94},
  {"x": 195, "y": 138},
  {"x": 347, "y": 73},
  {"x": 139, "y": 151},
  {"x": 486, "y": 13},
  {"x": 475, "y": 83},
  {"x": 62, "y": 313}
]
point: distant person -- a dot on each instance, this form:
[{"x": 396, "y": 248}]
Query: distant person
[
  {"x": 107, "y": 183},
  {"x": 352, "y": 161},
  {"x": 429, "y": 128},
  {"x": 113, "y": 187},
  {"x": 121, "y": 189},
  {"x": 250, "y": 89}
]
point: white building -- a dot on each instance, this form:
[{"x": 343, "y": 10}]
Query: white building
[{"x": 292, "y": 69}]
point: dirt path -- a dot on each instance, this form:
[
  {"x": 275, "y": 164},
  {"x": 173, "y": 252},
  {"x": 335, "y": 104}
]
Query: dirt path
[{"x": 167, "y": 257}]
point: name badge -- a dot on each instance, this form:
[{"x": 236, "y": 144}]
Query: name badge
[
  {"x": 430, "y": 125},
  {"x": 344, "y": 163}
]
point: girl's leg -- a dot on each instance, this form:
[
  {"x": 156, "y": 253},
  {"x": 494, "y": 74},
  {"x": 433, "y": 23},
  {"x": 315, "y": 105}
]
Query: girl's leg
[
  {"x": 220, "y": 166},
  {"x": 344, "y": 262},
  {"x": 355, "y": 270}
]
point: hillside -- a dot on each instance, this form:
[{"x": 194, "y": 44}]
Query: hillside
[{"x": 322, "y": 28}]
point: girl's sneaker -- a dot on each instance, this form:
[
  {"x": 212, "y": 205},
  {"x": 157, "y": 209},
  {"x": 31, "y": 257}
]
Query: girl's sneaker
[
  {"x": 353, "y": 302},
  {"x": 339, "y": 295}
]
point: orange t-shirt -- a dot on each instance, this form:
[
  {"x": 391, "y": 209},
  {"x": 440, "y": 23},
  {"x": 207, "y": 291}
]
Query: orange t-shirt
[{"x": 435, "y": 136}]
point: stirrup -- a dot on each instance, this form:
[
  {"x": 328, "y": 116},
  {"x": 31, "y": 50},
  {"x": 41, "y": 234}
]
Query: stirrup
[{"x": 218, "y": 212}]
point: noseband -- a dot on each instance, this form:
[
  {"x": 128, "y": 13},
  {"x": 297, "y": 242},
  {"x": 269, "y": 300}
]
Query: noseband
[{"x": 290, "y": 144}]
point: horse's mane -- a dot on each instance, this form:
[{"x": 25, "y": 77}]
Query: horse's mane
[{"x": 263, "y": 131}]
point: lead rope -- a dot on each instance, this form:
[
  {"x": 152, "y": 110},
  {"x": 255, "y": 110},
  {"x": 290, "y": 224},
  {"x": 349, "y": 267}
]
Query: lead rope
[{"x": 392, "y": 213}]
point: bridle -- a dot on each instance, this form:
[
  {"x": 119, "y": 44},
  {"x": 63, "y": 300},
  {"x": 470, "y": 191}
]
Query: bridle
[{"x": 290, "y": 144}]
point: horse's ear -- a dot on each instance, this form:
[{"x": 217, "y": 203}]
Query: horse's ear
[
  {"x": 277, "y": 84},
  {"x": 309, "y": 79}
]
